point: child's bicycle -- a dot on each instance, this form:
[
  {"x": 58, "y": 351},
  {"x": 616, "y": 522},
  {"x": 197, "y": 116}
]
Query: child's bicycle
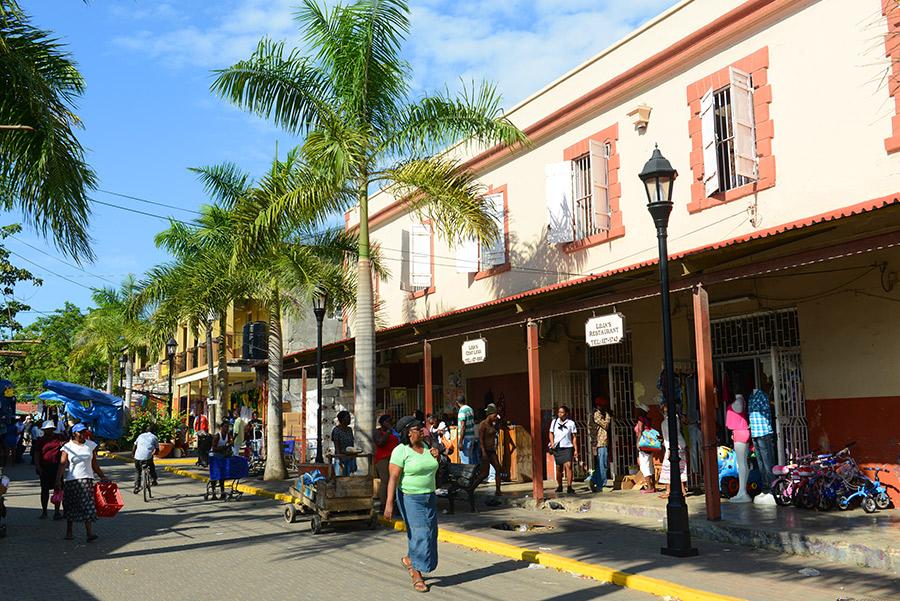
[{"x": 872, "y": 493}]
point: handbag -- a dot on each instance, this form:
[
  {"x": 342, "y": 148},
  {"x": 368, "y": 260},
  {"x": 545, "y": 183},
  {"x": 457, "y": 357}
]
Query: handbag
[{"x": 649, "y": 441}]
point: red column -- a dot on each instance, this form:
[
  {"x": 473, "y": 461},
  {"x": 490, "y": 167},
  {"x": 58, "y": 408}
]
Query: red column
[
  {"x": 429, "y": 389},
  {"x": 303, "y": 415},
  {"x": 707, "y": 403},
  {"x": 534, "y": 397}
]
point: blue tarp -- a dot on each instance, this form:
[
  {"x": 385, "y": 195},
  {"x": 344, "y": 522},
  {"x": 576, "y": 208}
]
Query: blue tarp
[{"x": 101, "y": 412}]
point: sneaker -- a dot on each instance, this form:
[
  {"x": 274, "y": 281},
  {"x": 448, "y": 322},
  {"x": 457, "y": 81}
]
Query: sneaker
[
  {"x": 570, "y": 491},
  {"x": 136, "y": 490}
]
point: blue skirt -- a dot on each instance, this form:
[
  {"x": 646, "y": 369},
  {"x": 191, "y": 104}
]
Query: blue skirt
[{"x": 419, "y": 512}]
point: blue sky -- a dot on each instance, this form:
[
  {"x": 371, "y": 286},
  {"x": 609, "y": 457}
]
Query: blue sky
[{"x": 149, "y": 115}]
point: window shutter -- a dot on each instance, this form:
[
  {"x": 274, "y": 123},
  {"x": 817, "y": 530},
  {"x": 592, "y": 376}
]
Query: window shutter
[
  {"x": 420, "y": 273},
  {"x": 742, "y": 120},
  {"x": 405, "y": 262},
  {"x": 558, "y": 177},
  {"x": 600, "y": 186},
  {"x": 708, "y": 134},
  {"x": 467, "y": 256},
  {"x": 495, "y": 253}
]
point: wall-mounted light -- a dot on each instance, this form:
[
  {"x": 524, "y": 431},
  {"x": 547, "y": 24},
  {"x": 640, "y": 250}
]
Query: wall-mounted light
[{"x": 641, "y": 117}]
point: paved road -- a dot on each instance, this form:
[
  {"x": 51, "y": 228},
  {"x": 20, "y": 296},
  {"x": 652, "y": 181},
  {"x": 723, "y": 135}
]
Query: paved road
[{"x": 178, "y": 547}]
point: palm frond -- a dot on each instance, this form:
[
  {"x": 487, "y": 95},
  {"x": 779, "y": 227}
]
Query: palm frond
[
  {"x": 450, "y": 197},
  {"x": 225, "y": 182}
]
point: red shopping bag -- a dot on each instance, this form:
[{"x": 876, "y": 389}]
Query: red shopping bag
[{"x": 107, "y": 499}]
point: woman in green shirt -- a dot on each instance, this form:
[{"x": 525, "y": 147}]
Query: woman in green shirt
[{"x": 413, "y": 468}]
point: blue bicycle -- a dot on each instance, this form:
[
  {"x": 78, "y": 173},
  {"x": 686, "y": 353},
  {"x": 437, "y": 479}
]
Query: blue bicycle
[{"x": 872, "y": 492}]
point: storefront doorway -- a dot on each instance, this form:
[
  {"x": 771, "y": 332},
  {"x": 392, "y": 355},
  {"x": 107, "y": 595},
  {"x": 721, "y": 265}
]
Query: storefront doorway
[
  {"x": 612, "y": 376},
  {"x": 762, "y": 351}
]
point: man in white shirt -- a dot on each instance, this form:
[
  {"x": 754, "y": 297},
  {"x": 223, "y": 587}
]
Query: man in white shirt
[{"x": 145, "y": 446}]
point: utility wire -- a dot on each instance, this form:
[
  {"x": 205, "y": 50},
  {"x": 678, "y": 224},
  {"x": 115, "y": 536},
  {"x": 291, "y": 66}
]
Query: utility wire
[
  {"x": 146, "y": 214},
  {"x": 149, "y": 202},
  {"x": 43, "y": 252},
  {"x": 39, "y": 266}
]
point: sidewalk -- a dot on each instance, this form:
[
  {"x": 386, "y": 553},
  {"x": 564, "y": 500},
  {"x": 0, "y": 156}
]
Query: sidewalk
[
  {"x": 613, "y": 541},
  {"x": 851, "y": 537}
]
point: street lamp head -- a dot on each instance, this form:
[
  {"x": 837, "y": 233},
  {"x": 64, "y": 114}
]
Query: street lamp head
[
  {"x": 211, "y": 316},
  {"x": 171, "y": 347},
  {"x": 658, "y": 176},
  {"x": 320, "y": 301},
  {"x": 123, "y": 360}
]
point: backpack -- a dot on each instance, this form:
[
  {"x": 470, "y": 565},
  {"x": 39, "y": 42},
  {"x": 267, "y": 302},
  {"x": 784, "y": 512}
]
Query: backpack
[{"x": 51, "y": 452}]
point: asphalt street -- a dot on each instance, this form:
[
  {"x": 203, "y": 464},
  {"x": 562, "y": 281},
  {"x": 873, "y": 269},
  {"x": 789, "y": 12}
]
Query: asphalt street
[{"x": 179, "y": 547}]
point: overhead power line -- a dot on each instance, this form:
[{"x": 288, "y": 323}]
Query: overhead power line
[
  {"x": 39, "y": 266},
  {"x": 149, "y": 202},
  {"x": 43, "y": 252}
]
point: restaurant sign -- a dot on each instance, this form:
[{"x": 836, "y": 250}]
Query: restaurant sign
[
  {"x": 606, "y": 329},
  {"x": 474, "y": 351}
]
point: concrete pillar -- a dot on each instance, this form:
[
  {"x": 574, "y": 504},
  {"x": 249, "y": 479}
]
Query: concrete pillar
[
  {"x": 707, "y": 403},
  {"x": 534, "y": 397}
]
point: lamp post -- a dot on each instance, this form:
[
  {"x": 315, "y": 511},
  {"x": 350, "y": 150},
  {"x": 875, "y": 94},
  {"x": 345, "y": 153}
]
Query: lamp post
[
  {"x": 171, "y": 347},
  {"x": 123, "y": 360},
  {"x": 658, "y": 177},
  {"x": 320, "y": 302}
]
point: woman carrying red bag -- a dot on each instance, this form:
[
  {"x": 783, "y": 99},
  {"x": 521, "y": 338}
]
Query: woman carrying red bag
[{"x": 77, "y": 467}]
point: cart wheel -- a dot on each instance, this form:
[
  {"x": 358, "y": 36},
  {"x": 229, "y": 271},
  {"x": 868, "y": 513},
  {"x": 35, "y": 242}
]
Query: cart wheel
[
  {"x": 373, "y": 522},
  {"x": 315, "y": 524},
  {"x": 290, "y": 514},
  {"x": 868, "y": 505}
]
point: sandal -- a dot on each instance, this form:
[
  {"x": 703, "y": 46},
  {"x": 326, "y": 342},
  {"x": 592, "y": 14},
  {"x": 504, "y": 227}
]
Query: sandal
[{"x": 419, "y": 584}]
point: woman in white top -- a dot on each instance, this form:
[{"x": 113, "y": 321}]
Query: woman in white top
[
  {"x": 77, "y": 466},
  {"x": 564, "y": 446}
]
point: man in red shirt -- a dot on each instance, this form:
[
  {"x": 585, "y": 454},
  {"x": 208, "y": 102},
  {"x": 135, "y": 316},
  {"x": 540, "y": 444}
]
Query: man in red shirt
[{"x": 46, "y": 451}]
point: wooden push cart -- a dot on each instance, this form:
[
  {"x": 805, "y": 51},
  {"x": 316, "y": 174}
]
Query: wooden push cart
[{"x": 333, "y": 500}]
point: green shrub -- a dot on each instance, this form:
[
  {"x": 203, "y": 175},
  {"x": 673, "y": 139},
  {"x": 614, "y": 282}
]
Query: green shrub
[{"x": 165, "y": 425}]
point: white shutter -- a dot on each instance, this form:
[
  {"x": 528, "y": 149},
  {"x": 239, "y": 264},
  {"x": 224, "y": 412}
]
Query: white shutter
[
  {"x": 708, "y": 133},
  {"x": 405, "y": 261},
  {"x": 467, "y": 256},
  {"x": 495, "y": 253},
  {"x": 420, "y": 272},
  {"x": 559, "y": 202},
  {"x": 600, "y": 185},
  {"x": 742, "y": 122}
]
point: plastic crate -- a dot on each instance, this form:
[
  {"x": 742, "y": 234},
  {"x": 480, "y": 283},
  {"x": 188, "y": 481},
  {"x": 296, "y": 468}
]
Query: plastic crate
[
  {"x": 228, "y": 468},
  {"x": 107, "y": 499}
]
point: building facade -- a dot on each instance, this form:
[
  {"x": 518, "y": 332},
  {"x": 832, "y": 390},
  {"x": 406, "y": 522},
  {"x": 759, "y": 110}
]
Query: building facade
[{"x": 786, "y": 215}]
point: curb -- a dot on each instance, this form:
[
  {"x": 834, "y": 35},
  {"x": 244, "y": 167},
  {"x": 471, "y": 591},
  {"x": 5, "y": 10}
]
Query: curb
[{"x": 646, "y": 584}]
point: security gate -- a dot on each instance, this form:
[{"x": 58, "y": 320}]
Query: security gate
[
  {"x": 572, "y": 389},
  {"x": 622, "y": 443},
  {"x": 790, "y": 405}
]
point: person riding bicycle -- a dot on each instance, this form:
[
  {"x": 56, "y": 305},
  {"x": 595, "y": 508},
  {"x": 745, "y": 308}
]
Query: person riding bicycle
[{"x": 145, "y": 446}]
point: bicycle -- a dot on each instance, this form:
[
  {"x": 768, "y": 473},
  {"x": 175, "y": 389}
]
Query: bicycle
[{"x": 146, "y": 482}]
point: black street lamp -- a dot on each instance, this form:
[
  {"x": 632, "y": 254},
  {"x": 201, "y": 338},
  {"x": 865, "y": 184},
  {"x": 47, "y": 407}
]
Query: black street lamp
[
  {"x": 171, "y": 347},
  {"x": 123, "y": 360},
  {"x": 659, "y": 176},
  {"x": 320, "y": 302}
]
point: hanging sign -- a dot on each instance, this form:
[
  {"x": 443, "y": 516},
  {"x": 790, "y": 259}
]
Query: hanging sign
[
  {"x": 474, "y": 351},
  {"x": 606, "y": 329}
]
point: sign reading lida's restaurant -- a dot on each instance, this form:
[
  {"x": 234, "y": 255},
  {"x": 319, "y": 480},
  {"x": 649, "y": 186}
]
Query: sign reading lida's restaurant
[
  {"x": 474, "y": 351},
  {"x": 606, "y": 329}
]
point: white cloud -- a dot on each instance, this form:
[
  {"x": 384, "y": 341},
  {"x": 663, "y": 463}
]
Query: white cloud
[{"x": 519, "y": 44}]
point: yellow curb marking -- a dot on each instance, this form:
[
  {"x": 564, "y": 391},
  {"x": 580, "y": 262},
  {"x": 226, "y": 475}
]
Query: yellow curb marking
[{"x": 646, "y": 584}]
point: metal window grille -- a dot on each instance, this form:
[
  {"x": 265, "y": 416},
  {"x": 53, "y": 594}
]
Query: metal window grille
[
  {"x": 584, "y": 195},
  {"x": 600, "y": 357},
  {"x": 790, "y": 405},
  {"x": 728, "y": 179},
  {"x": 572, "y": 389},
  {"x": 755, "y": 334},
  {"x": 616, "y": 358}
]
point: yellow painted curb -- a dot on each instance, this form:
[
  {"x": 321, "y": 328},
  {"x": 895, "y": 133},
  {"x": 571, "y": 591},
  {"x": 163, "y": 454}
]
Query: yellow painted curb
[
  {"x": 646, "y": 584},
  {"x": 157, "y": 460}
]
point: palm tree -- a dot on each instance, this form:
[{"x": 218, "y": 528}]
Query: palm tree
[
  {"x": 42, "y": 167},
  {"x": 110, "y": 329},
  {"x": 211, "y": 270},
  {"x": 350, "y": 98}
]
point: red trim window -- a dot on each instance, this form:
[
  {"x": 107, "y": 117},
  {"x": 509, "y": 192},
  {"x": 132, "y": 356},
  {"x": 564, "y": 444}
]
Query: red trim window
[
  {"x": 417, "y": 269},
  {"x": 488, "y": 259},
  {"x": 583, "y": 193},
  {"x": 731, "y": 133}
]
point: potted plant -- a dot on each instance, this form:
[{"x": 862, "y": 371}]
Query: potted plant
[{"x": 165, "y": 425}]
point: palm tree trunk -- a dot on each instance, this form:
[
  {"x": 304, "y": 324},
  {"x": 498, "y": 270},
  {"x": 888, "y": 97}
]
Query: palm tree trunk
[
  {"x": 274, "y": 418},
  {"x": 109, "y": 378},
  {"x": 129, "y": 380},
  {"x": 211, "y": 407},
  {"x": 222, "y": 380},
  {"x": 364, "y": 332}
]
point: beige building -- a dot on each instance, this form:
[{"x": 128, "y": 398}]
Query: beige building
[{"x": 781, "y": 119}]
